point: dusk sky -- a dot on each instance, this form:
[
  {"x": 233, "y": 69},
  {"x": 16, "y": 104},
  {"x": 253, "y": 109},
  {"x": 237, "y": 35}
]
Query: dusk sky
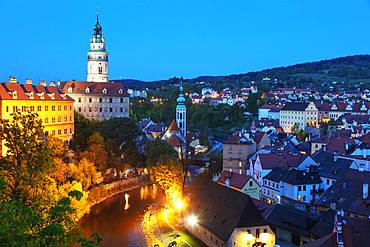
[{"x": 151, "y": 40}]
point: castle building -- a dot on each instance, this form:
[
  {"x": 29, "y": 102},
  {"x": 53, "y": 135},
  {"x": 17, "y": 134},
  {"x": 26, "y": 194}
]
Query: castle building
[
  {"x": 97, "y": 98},
  {"x": 54, "y": 108},
  {"x": 181, "y": 111}
]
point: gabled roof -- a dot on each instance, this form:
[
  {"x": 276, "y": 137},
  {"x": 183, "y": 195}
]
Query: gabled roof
[
  {"x": 294, "y": 106},
  {"x": 347, "y": 191},
  {"x": 23, "y": 90},
  {"x": 236, "y": 180},
  {"x": 173, "y": 126},
  {"x": 276, "y": 174},
  {"x": 329, "y": 167},
  {"x": 94, "y": 88},
  {"x": 298, "y": 221},
  {"x": 221, "y": 210},
  {"x": 300, "y": 177}
]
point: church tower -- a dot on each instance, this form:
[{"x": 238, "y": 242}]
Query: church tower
[
  {"x": 97, "y": 64},
  {"x": 181, "y": 111}
]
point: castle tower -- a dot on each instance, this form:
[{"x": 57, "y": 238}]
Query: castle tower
[
  {"x": 181, "y": 111},
  {"x": 97, "y": 64}
]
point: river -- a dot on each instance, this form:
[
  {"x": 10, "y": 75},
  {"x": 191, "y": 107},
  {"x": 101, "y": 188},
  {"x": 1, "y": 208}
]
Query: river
[{"x": 119, "y": 223}]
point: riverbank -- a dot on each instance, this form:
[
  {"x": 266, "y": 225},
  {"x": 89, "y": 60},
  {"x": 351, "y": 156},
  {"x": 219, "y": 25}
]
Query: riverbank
[{"x": 103, "y": 192}]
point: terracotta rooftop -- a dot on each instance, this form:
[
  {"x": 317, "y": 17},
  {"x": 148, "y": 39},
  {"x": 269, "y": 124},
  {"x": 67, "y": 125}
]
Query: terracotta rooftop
[
  {"x": 31, "y": 92},
  {"x": 84, "y": 87}
]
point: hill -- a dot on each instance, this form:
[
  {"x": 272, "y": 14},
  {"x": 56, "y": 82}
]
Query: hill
[{"x": 346, "y": 72}]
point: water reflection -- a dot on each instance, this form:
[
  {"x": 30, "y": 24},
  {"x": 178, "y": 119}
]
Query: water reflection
[
  {"x": 120, "y": 227},
  {"x": 127, "y": 205}
]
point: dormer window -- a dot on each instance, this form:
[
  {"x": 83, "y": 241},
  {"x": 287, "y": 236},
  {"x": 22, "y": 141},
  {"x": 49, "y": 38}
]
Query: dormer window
[
  {"x": 104, "y": 90},
  {"x": 70, "y": 89},
  {"x": 14, "y": 94},
  {"x": 363, "y": 107},
  {"x": 41, "y": 95},
  {"x": 120, "y": 91},
  {"x": 51, "y": 95},
  {"x": 87, "y": 90},
  {"x": 31, "y": 95},
  {"x": 334, "y": 107}
]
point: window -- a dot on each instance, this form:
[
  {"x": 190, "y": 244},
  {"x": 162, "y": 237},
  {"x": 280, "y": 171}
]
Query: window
[
  {"x": 121, "y": 109},
  {"x": 100, "y": 109},
  {"x": 79, "y": 100},
  {"x": 90, "y": 100},
  {"x": 79, "y": 109},
  {"x": 39, "y": 108},
  {"x": 70, "y": 131},
  {"x": 299, "y": 198},
  {"x": 100, "y": 100},
  {"x": 53, "y": 132},
  {"x": 110, "y": 109},
  {"x": 121, "y": 100},
  {"x": 304, "y": 187},
  {"x": 65, "y": 119},
  {"x": 65, "y": 107},
  {"x": 46, "y": 120},
  {"x": 59, "y": 107},
  {"x": 53, "y": 108},
  {"x": 265, "y": 230},
  {"x": 299, "y": 188},
  {"x": 327, "y": 181},
  {"x": 110, "y": 100},
  {"x": 59, "y": 132},
  {"x": 53, "y": 119},
  {"x": 303, "y": 198},
  {"x": 90, "y": 109},
  {"x": 257, "y": 233},
  {"x": 100, "y": 70},
  {"x": 250, "y": 183},
  {"x": 65, "y": 131},
  {"x": 59, "y": 119},
  {"x": 7, "y": 108}
]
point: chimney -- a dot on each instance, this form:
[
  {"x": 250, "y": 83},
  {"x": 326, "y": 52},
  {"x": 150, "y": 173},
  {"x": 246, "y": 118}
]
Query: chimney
[
  {"x": 12, "y": 79},
  {"x": 365, "y": 191},
  {"x": 42, "y": 83},
  {"x": 29, "y": 81},
  {"x": 335, "y": 157}
]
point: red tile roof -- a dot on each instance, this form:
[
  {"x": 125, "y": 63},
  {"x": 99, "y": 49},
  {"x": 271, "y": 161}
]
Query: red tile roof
[
  {"x": 79, "y": 87},
  {"x": 173, "y": 126},
  {"x": 236, "y": 180},
  {"x": 31, "y": 92}
]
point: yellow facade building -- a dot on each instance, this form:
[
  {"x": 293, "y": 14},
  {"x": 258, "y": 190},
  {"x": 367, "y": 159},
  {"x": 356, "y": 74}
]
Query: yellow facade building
[{"x": 54, "y": 108}]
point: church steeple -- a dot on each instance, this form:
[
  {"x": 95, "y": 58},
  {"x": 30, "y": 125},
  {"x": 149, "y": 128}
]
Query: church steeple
[
  {"x": 181, "y": 110},
  {"x": 97, "y": 65}
]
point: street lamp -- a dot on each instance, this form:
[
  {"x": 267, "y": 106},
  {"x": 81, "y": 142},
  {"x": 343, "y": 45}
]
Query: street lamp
[{"x": 192, "y": 220}]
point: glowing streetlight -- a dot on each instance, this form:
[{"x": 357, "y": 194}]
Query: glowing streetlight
[
  {"x": 179, "y": 204},
  {"x": 192, "y": 220}
]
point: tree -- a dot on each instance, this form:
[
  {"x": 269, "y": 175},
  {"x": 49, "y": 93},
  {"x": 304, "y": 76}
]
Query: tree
[
  {"x": 302, "y": 135},
  {"x": 31, "y": 211},
  {"x": 159, "y": 151},
  {"x": 295, "y": 128},
  {"x": 96, "y": 152}
]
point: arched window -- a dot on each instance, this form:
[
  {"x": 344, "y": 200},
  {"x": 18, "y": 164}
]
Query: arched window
[
  {"x": 87, "y": 90},
  {"x": 70, "y": 89},
  {"x": 104, "y": 90}
]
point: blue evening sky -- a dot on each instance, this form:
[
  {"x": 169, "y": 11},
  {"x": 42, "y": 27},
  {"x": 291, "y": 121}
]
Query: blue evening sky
[{"x": 151, "y": 40}]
